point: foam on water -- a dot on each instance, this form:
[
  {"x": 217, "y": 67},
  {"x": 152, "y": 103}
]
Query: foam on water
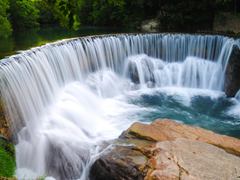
[{"x": 73, "y": 125}]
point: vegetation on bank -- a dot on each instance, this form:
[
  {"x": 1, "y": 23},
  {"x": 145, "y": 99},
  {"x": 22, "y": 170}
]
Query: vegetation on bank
[
  {"x": 7, "y": 156},
  {"x": 173, "y": 15}
]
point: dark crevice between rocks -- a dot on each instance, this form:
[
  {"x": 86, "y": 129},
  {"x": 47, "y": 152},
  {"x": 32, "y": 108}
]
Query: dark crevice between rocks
[{"x": 232, "y": 75}]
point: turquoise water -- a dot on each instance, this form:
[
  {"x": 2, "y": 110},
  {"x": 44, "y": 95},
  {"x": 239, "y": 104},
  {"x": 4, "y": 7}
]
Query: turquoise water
[
  {"x": 203, "y": 108},
  {"x": 32, "y": 38}
]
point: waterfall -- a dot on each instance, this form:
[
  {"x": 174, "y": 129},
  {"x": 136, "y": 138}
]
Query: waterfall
[{"x": 59, "y": 101}]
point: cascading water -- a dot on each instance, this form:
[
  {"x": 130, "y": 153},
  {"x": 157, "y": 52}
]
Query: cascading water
[{"x": 65, "y": 99}]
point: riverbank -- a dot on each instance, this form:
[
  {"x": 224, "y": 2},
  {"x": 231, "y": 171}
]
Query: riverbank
[
  {"x": 36, "y": 37},
  {"x": 166, "y": 149}
]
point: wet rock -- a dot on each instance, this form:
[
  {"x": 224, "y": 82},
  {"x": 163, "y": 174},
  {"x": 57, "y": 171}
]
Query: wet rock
[
  {"x": 232, "y": 80},
  {"x": 166, "y": 149},
  {"x": 122, "y": 162}
]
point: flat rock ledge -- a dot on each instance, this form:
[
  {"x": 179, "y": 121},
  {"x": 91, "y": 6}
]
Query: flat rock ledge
[{"x": 168, "y": 150}]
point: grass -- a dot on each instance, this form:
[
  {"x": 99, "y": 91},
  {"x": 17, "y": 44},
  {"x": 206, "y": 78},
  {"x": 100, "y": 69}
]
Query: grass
[{"x": 7, "y": 159}]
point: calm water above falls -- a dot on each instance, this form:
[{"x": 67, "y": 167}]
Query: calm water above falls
[
  {"x": 65, "y": 99},
  {"x": 32, "y": 38}
]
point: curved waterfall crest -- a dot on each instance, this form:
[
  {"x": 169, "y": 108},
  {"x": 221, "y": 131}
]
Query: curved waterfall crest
[
  {"x": 62, "y": 81},
  {"x": 46, "y": 69}
]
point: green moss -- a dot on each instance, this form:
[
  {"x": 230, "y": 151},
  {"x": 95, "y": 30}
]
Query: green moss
[
  {"x": 41, "y": 178},
  {"x": 7, "y": 159}
]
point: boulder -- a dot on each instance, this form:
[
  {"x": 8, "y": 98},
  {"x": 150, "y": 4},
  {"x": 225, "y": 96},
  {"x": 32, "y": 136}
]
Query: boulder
[
  {"x": 167, "y": 130},
  {"x": 188, "y": 159},
  {"x": 232, "y": 80},
  {"x": 151, "y": 25},
  {"x": 122, "y": 162},
  {"x": 166, "y": 149}
]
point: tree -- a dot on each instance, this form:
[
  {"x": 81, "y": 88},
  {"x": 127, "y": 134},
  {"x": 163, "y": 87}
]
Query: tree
[
  {"x": 108, "y": 12},
  {"x": 5, "y": 28},
  {"x": 64, "y": 12},
  {"x": 24, "y": 14},
  {"x": 46, "y": 12}
]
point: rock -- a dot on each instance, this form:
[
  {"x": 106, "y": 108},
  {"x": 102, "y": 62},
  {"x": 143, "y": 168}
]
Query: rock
[
  {"x": 151, "y": 25},
  {"x": 167, "y": 130},
  {"x": 226, "y": 22},
  {"x": 4, "y": 124},
  {"x": 122, "y": 162},
  {"x": 167, "y": 150},
  {"x": 187, "y": 159},
  {"x": 232, "y": 80}
]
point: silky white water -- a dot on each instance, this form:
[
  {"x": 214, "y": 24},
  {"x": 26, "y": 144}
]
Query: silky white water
[{"x": 65, "y": 99}]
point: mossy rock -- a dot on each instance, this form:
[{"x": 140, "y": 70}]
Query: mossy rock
[{"x": 7, "y": 159}]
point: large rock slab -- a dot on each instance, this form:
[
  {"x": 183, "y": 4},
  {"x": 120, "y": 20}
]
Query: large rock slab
[
  {"x": 187, "y": 159},
  {"x": 167, "y": 130},
  {"x": 166, "y": 149}
]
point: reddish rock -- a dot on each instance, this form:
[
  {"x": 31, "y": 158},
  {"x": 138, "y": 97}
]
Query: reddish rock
[
  {"x": 169, "y": 150},
  {"x": 167, "y": 130},
  {"x": 4, "y": 124}
]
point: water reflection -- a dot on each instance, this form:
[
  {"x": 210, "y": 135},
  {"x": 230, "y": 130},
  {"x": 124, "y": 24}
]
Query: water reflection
[{"x": 37, "y": 37}]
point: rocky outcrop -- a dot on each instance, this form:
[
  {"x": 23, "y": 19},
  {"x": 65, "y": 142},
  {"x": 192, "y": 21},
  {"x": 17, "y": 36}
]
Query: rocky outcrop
[
  {"x": 122, "y": 162},
  {"x": 151, "y": 25},
  {"x": 187, "y": 159},
  {"x": 232, "y": 80},
  {"x": 226, "y": 22},
  {"x": 169, "y": 150},
  {"x": 168, "y": 130},
  {"x": 4, "y": 125}
]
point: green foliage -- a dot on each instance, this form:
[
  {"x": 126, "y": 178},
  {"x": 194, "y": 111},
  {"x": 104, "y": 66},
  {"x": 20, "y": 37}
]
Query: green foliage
[
  {"x": 7, "y": 160},
  {"x": 117, "y": 12},
  {"x": 5, "y": 28},
  {"x": 64, "y": 12},
  {"x": 46, "y": 15},
  {"x": 174, "y": 15},
  {"x": 108, "y": 12},
  {"x": 41, "y": 178},
  {"x": 24, "y": 14}
]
